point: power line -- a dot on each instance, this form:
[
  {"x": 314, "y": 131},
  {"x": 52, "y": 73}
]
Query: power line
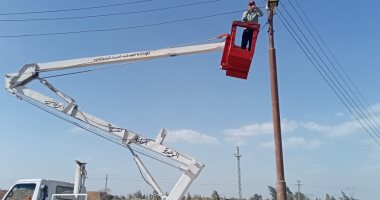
[
  {"x": 358, "y": 93},
  {"x": 73, "y": 9},
  {"x": 361, "y": 109},
  {"x": 337, "y": 83},
  {"x": 109, "y": 15},
  {"x": 314, "y": 63},
  {"x": 320, "y": 70},
  {"x": 120, "y": 28},
  {"x": 330, "y": 78}
]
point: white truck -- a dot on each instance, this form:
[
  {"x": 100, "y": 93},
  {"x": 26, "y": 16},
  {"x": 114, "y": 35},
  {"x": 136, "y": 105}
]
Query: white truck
[
  {"x": 43, "y": 189},
  {"x": 235, "y": 61}
]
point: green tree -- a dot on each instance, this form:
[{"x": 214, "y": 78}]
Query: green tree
[
  {"x": 188, "y": 196},
  {"x": 289, "y": 194},
  {"x": 155, "y": 195},
  {"x": 197, "y": 197},
  {"x": 256, "y": 197},
  {"x": 138, "y": 194},
  {"x": 215, "y": 195},
  {"x": 345, "y": 197},
  {"x": 301, "y": 196},
  {"x": 328, "y": 197},
  {"x": 272, "y": 192}
]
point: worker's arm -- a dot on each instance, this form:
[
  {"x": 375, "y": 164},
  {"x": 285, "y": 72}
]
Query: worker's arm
[{"x": 258, "y": 11}]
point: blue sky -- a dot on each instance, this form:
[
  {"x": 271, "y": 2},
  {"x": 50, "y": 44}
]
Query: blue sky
[{"x": 207, "y": 113}]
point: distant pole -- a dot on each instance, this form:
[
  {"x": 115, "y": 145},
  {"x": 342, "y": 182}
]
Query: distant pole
[
  {"x": 106, "y": 187},
  {"x": 280, "y": 184},
  {"x": 299, "y": 190},
  {"x": 238, "y": 156}
]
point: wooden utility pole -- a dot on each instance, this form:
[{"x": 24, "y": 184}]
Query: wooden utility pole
[{"x": 280, "y": 183}]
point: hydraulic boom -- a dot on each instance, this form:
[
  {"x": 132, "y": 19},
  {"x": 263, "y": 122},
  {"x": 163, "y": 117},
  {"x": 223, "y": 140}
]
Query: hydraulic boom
[
  {"x": 235, "y": 61},
  {"x": 16, "y": 84}
]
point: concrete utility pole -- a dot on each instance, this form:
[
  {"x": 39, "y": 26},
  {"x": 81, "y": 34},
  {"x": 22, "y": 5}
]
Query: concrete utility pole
[
  {"x": 299, "y": 191},
  {"x": 280, "y": 184},
  {"x": 106, "y": 187},
  {"x": 238, "y": 156}
]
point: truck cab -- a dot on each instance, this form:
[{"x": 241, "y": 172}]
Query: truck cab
[{"x": 42, "y": 189}]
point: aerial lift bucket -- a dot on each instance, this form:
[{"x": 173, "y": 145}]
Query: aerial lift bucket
[{"x": 235, "y": 60}]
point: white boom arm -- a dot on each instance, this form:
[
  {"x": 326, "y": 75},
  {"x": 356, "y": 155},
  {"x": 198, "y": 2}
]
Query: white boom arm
[{"x": 16, "y": 84}]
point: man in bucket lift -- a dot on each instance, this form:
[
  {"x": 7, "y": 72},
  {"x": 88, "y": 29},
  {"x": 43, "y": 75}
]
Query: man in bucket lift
[{"x": 251, "y": 15}]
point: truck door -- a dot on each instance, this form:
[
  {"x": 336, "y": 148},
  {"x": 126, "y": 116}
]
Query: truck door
[{"x": 21, "y": 191}]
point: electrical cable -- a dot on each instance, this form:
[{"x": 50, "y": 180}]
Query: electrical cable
[
  {"x": 287, "y": 25},
  {"x": 335, "y": 59},
  {"x": 121, "y": 28},
  {"x": 326, "y": 80},
  {"x": 347, "y": 96},
  {"x": 109, "y": 15},
  {"x": 337, "y": 83},
  {"x": 330, "y": 85},
  {"x": 74, "y": 9},
  {"x": 350, "y": 92}
]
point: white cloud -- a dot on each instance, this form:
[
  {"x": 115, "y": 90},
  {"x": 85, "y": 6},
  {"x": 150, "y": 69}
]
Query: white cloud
[
  {"x": 190, "y": 136},
  {"x": 301, "y": 142},
  {"x": 344, "y": 129},
  {"x": 267, "y": 144},
  {"x": 313, "y": 126},
  {"x": 240, "y": 135},
  {"x": 251, "y": 130},
  {"x": 289, "y": 126},
  {"x": 375, "y": 108},
  {"x": 294, "y": 142},
  {"x": 337, "y": 130}
]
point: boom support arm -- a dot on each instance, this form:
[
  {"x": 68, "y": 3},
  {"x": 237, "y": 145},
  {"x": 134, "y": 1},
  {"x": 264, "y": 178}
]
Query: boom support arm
[
  {"x": 16, "y": 84},
  {"x": 30, "y": 71}
]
